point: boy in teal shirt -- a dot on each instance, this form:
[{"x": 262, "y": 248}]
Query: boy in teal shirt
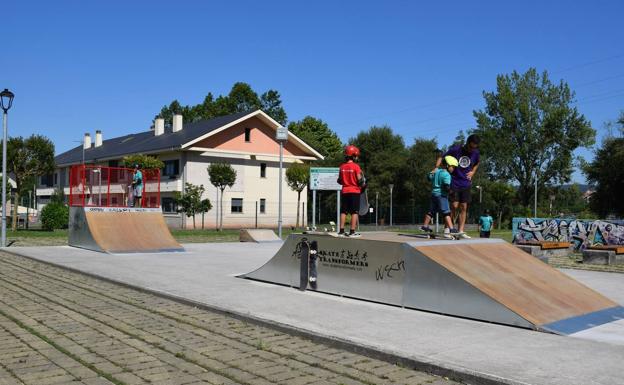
[
  {"x": 486, "y": 223},
  {"x": 441, "y": 182}
]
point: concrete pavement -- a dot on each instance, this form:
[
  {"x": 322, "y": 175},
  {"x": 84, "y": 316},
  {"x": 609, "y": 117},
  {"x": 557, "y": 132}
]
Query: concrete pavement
[{"x": 206, "y": 273}]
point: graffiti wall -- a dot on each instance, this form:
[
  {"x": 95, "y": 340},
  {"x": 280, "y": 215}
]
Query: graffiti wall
[{"x": 582, "y": 233}]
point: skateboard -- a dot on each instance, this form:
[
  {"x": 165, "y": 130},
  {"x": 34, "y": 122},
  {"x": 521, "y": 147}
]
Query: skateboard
[
  {"x": 307, "y": 267},
  {"x": 434, "y": 235},
  {"x": 364, "y": 206}
]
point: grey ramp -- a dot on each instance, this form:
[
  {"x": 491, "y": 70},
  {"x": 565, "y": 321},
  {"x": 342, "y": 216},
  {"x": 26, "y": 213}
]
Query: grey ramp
[
  {"x": 258, "y": 235},
  {"x": 79, "y": 234}
]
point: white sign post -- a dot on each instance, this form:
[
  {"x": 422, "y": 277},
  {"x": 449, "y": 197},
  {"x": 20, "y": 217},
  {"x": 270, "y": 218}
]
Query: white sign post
[
  {"x": 281, "y": 136},
  {"x": 324, "y": 178}
]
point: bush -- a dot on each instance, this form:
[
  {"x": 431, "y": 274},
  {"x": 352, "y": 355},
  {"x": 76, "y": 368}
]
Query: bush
[{"x": 55, "y": 216}]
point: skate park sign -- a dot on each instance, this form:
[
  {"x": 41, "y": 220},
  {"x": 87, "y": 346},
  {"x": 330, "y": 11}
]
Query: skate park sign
[{"x": 324, "y": 178}]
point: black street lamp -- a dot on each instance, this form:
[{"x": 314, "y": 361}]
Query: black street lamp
[{"x": 6, "y": 101}]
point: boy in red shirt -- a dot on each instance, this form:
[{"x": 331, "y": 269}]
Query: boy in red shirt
[{"x": 352, "y": 180}]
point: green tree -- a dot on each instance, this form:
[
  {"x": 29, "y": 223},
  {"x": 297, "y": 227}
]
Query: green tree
[
  {"x": 222, "y": 175},
  {"x": 297, "y": 177},
  {"x": 54, "y": 216},
  {"x": 383, "y": 157},
  {"x": 421, "y": 158},
  {"x": 530, "y": 127},
  {"x": 146, "y": 161},
  {"x": 241, "y": 98},
  {"x": 190, "y": 202},
  {"x": 317, "y": 134},
  {"x": 498, "y": 197},
  {"x": 271, "y": 103},
  {"x": 204, "y": 207},
  {"x": 606, "y": 175},
  {"x": 26, "y": 159}
]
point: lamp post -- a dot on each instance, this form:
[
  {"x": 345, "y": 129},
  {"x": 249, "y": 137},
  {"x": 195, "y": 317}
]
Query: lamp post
[
  {"x": 6, "y": 100},
  {"x": 391, "y": 188},
  {"x": 281, "y": 136},
  {"x": 480, "y": 188},
  {"x": 376, "y": 210},
  {"x": 535, "y": 203}
]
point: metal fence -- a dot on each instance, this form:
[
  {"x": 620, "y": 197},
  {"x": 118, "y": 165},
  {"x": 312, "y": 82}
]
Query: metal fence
[{"x": 91, "y": 185}]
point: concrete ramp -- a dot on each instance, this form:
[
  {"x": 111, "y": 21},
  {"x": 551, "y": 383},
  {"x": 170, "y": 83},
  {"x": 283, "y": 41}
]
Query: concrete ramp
[
  {"x": 258, "y": 235},
  {"x": 120, "y": 230},
  {"x": 484, "y": 279}
]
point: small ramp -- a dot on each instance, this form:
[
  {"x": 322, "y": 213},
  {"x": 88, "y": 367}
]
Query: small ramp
[
  {"x": 483, "y": 279},
  {"x": 258, "y": 235},
  {"x": 120, "y": 230}
]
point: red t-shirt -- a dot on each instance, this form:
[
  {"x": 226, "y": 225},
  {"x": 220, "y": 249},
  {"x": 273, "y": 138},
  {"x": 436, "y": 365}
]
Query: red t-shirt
[{"x": 349, "y": 176}]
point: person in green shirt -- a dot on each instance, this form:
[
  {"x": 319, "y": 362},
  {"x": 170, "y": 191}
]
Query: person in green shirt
[
  {"x": 440, "y": 184},
  {"x": 486, "y": 222}
]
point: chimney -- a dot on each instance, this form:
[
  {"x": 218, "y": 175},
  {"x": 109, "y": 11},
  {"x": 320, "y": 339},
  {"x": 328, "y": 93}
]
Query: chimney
[
  {"x": 86, "y": 144},
  {"x": 159, "y": 126},
  {"x": 177, "y": 123},
  {"x": 98, "y": 138}
]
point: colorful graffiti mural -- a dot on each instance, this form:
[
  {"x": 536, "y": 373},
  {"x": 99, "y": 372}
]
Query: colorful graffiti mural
[{"x": 582, "y": 233}]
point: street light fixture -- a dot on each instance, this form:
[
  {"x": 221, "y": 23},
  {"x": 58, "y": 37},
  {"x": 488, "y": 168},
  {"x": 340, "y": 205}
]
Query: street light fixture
[
  {"x": 480, "y": 188},
  {"x": 391, "y": 188},
  {"x": 6, "y": 101}
]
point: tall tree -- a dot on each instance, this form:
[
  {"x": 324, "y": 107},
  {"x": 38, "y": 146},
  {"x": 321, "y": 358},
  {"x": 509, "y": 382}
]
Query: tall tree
[
  {"x": 383, "y": 156},
  {"x": 26, "y": 159},
  {"x": 271, "y": 103},
  {"x": 318, "y": 135},
  {"x": 222, "y": 175},
  {"x": 420, "y": 160},
  {"x": 297, "y": 177},
  {"x": 530, "y": 127},
  {"x": 606, "y": 175}
]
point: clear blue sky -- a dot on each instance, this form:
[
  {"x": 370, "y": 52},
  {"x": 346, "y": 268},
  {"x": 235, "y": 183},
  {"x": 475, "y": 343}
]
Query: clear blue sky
[{"x": 78, "y": 66}]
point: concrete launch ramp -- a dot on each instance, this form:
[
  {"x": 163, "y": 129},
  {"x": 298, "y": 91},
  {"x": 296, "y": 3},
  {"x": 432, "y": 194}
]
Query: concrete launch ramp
[
  {"x": 120, "y": 230},
  {"x": 484, "y": 279},
  {"x": 258, "y": 235}
]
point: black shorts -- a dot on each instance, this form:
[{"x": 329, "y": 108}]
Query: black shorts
[
  {"x": 349, "y": 203},
  {"x": 484, "y": 234},
  {"x": 460, "y": 195}
]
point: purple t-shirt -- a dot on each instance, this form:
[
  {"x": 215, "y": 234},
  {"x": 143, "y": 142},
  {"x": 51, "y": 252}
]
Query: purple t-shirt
[{"x": 467, "y": 161}]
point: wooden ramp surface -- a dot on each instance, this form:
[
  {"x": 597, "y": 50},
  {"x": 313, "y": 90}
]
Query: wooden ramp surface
[
  {"x": 520, "y": 282},
  {"x": 125, "y": 232}
]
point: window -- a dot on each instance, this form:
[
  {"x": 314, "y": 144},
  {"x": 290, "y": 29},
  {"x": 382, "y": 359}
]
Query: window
[
  {"x": 262, "y": 206},
  {"x": 55, "y": 178},
  {"x": 262, "y": 170},
  {"x": 237, "y": 205},
  {"x": 46, "y": 180},
  {"x": 169, "y": 205},
  {"x": 247, "y": 134},
  {"x": 171, "y": 168}
]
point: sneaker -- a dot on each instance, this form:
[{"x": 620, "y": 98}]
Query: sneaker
[
  {"x": 454, "y": 231},
  {"x": 312, "y": 279},
  {"x": 447, "y": 235},
  {"x": 426, "y": 229},
  {"x": 343, "y": 234},
  {"x": 354, "y": 235},
  {"x": 464, "y": 236}
]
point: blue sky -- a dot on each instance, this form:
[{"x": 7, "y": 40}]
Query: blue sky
[{"x": 78, "y": 66}]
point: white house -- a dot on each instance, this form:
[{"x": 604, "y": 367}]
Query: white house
[{"x": 244, "y": 140}]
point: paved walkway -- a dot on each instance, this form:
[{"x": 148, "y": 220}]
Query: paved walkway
[
  {"x": 206, "y": 274},
  {"x": 60, "y": 327}
]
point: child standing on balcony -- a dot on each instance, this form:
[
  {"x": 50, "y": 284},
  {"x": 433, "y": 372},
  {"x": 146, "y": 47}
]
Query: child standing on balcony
[{"x": 137, "y": 186}]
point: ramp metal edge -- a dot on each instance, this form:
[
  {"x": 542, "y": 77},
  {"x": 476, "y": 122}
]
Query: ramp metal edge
[{"x": 586, "y": 321}]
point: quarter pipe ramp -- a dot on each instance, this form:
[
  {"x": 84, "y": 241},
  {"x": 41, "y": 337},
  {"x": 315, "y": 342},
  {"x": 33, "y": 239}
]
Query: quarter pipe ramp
[
  {"x": 484, "y": 279},
  {"x": 120, "y": 230}
]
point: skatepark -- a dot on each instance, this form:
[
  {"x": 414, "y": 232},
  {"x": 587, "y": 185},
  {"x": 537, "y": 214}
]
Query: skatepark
[{"x": 208, "y": 275}]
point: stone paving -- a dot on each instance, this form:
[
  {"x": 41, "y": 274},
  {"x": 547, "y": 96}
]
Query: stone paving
[{"x": 61, "y": 327}]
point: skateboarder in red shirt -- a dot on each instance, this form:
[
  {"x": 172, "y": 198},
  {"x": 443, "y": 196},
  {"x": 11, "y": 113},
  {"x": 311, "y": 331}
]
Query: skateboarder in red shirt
[{"x": 351, "y": 178}]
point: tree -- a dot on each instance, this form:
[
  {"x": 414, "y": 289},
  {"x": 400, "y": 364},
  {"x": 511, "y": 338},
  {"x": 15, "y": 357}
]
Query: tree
[
  {"x": 420, "y": 161},
  {"x": 606, "y": 175},
  {"x": 241, "y": 98},
  {"x": 529, "y": 127},
  {"x": 297, "y": 177},
  {"x": 26, "y": 159},
  {"x": 204, "y": 207},
  {"x": 190, "y": 202},
  {"x": 146, "y": 161},
  {"x": 222, "y": 175},
  {"x": 498, "y": 198},
  {"x": 318, "y": 135}
]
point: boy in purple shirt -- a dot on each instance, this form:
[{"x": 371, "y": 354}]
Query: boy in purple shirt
[{"x": 468, "y": 157}]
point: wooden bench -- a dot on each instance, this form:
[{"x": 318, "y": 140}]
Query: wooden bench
[
  {"x": 547, "y": 245},
  {"x": 618, "y": 249}
]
